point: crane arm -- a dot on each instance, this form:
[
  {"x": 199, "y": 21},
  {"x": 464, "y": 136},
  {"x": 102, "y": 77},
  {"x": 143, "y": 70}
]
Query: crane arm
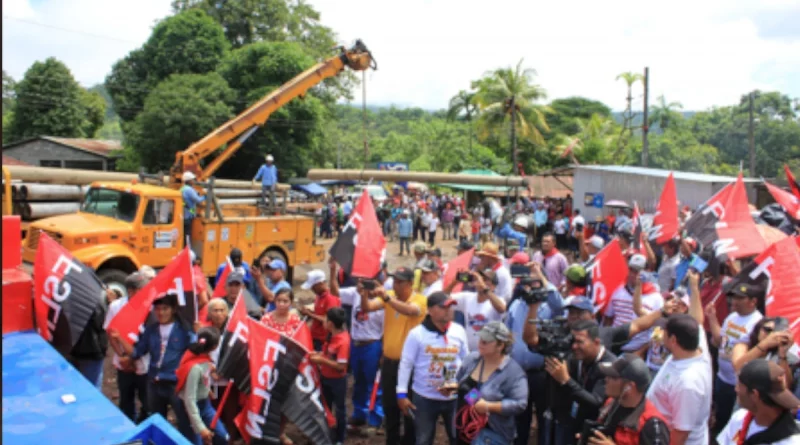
[{"x": 236, "y": 131}]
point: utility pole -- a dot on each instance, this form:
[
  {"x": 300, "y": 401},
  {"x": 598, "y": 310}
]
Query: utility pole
[
  {"x": 513, "y": 106},
  {"x": 645, "y": 124},
  {"x": 752, "y": 139}
]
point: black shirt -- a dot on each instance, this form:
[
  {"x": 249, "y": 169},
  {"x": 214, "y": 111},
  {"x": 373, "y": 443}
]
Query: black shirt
[
  {"x": 613, "y": 338},
  {"x": 586, "y": 388}
]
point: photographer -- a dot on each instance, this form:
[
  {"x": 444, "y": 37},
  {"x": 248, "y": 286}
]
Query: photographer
[
  {"x": 479, "y": 307},
  {"x": 627, "y": 416}
]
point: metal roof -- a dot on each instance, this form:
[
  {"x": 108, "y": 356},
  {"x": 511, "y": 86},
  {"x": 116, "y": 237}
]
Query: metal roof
[
  {"x": 686, "y": 176},
  {"x": 8, "y": 160},
  {"x": 100, "y": 147}
]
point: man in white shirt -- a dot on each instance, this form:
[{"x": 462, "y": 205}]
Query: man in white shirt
[
  {"x": 433, "y": 224},
  {"x": 767, "y": 407},
  {"x": 490, "y": 259},
  {"x": 735, "y": 329},
  {"x": 430, "y": 280},
  {"x": 681, "y": 391},
  {"x": 479, "y": 307}
]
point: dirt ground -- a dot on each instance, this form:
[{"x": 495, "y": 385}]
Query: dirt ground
[{"x": 448, "y": 252}]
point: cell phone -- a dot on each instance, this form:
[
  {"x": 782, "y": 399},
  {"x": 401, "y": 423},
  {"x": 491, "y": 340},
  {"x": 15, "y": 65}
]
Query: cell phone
[
  {"x": 520, "y": 270},
  {"x": 463, "y": 277},
  {"x": 369, "y": 284},
  {"x": 698, "y": 264}
]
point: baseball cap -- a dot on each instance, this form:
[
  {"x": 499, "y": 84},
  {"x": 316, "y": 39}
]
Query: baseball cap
[
  {"x": 440, "y": 299},
  {"x": 576, "y": 274},
  {"x": 495, "y": 331},
  {"x": 135, "y": 280},
  {"x": 770, "y": 380},
  {"x": 465, "y": 245},
  {"x": 748, "y": 290},
  {"x": 596, "y": 242},
  {"x": 628, "y": 367},
  {"x": 235, "y": 277},
  {"x": 520, "y": 258},
  {"x": 420, "y": 247},
  {"x": 148, "y": 272},
  {"x": 637, "y": 262},
  {"x": 435, "y": 252},
  {"x": 315, "y": 276},
  {"x": 277, "y": 264},
  {"x": 580, "y": 303},
  {"x": 428, "y": 265},
  {"x": 627, "y": 235},
  {"x": 403, "y": 274}
]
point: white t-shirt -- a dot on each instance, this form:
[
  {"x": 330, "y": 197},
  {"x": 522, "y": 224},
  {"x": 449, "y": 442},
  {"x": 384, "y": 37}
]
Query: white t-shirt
[
  {"x": 621, "y": 310},
  {"x": 433, "y": 224},
  {"x": 560, "y": 227},
  {"x": 486, "y": 226},
  {"x": 505, "y": 284},
  {"x": 735, "y": 329},
  {"x": 164, "y": 330},
  {"x": 434, "y": 360},
  {"x": 363, "y": 326},
  {"x": 577, "y": 220},
  {"x": 141, "y": 364},
  {"x": 435, "y": 287},
  {"x": 728, "y": 436},
  {"x": 476, "y": 315},
  {"x": 666, "y": 273},
  {"x": 681, "y": 392}
]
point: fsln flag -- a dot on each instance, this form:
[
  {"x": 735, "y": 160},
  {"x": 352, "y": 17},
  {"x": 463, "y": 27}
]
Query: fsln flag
[
  {"x": 666, "y": 224},
  {"x": 789, "y": 202},
  {"x": 361, "y": 248},
  {"x": 607, "y": 273},
  {"x": 793, "y": 185},
  {"x": 234, "y": 357},
  {"x": 219, "y": 286}
]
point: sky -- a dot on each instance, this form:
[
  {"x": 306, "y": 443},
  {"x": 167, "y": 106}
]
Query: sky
[{"x": 701, "y": 53}]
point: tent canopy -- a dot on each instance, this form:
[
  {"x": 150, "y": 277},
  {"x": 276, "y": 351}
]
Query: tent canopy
[
  {"x": 477, "y": 188},
  {"x": 311, "y": 188}
]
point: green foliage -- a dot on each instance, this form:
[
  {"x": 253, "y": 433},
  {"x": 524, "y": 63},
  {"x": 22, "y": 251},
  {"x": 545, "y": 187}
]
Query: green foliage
[
  {"x": 8, "y": 118},
  {"x": 9, "y": 87},
  {"x": 568, "y": 111},
  {"x": 102, "y": 91},
  {"x": 178, "y": 112},
  {"x": 129, "y": 161},
  {"x": 94, "y": 116},
  {"x": 663, "y": 113},
  {"x": 111, "y": 130}
]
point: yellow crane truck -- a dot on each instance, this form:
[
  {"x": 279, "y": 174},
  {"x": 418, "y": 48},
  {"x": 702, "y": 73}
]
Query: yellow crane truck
[{"x": 123, "y": 225}]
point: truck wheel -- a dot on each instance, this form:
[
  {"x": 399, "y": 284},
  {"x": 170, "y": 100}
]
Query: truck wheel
[
  {"x": 115, "y": 279},
  {"x": 278, "y": 255}
]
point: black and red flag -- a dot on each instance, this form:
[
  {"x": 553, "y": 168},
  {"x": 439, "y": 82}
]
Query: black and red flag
[
  {"x": 789, "y": 202},
  {"x": 776, "y": 270},
  {"x": 793, "y": 185},
  {"x": 638, "y": 233},
  {"x": 219, "y": 287},
  {"x": 666, "y": 224},
  {"x": 274, "y": 364},
  {"x": 608, "y": 271},
  {"x": 177, "y": 279},
  {"x": 67, "y": 295},
  {"x": 233, "y": 364},
  {"x": 361, "y": 248}
]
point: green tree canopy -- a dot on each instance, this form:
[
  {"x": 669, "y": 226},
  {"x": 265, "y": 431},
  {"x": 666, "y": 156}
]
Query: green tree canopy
[
  {"x": 9, "y": 88},
  {"x": 568, "y": 111}
]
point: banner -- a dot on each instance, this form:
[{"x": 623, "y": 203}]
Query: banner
[
  {"x": 220, "y": 286},
  {"x": 234, "y": 362},
  {"x": 666, "y": 224},
  {"x": 176, "y": 279},
  {"x": 67, "y": 294},
  {"x": 789, "y": 202},
  {"x": 361, "y": 248},
  {"x": 792, "y": 181},
  {"x": 607, "y": 272}
]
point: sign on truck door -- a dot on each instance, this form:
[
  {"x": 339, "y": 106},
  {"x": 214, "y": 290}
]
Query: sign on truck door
[{"x": 161, "y": 238}]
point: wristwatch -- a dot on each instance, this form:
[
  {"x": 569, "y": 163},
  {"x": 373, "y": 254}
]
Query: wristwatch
[{"x": 386, "y": 298}]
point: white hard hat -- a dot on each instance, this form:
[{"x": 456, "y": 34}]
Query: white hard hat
[
  {"x": 521, "y": 221},
  {"x": 188, "y": 176},
  {"x": 269, "y": 158}
]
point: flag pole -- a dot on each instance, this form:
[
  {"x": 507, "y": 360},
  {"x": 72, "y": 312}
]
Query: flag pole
[{"x": 221, "y": 405}]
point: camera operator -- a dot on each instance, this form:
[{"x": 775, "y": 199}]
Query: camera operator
[
  {"x": 627, "y": 416},
  {"x": 479, "y": 307}
]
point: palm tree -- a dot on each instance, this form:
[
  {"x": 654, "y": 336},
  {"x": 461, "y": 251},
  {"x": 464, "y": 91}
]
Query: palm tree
[
  {"x": 592, "y": 143},
  {"x": 463, "y": 106},
  {"x": 664, "y": 112},
  {"x": 627, "y": 116},
  {"x": 509, "y": 94}
]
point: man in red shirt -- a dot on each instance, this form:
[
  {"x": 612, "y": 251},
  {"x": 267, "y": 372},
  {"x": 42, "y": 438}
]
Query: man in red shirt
[
  {"x": 325, "y": 300},
  {"x": 332, "y": 363}
]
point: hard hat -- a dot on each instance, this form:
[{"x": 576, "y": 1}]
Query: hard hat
[
  {"x": 521, "y": 221},
  {"x": 188, "y": 176},
  {"x": 269, "y": 158}
]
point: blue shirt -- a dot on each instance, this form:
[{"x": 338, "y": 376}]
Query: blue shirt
[
  {"x": 150, "y": 342},
  {"x": 246, "y": 267},
  {"x": 540, "y": 217},
  {"x": 680, "y": 272},
  {"x": 347, "y": 208},
  {"x": 190, "y": 200},
  {"x": 268, "y": 174},
  {"x": 405, "y": 227},
  {"x": 518, "y": 316},
  {"x": 507, "y": 232}
]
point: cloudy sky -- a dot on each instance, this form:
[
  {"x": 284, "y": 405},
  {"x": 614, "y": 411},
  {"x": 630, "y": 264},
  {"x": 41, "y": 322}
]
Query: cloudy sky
[{"x": 702, "y": 53}]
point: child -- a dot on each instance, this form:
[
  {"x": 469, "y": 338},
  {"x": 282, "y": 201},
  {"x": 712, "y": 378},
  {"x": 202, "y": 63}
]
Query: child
[
  {"x": 476, "y": 229},
  {"x": 332, "y": 361},
  {"x": 194, "y": 385}
]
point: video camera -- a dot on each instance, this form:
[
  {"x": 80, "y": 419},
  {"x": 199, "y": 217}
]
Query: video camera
[
  {"x": 555, "y": 338},
  {"x": 589, "y": 428},
  {"x": 531, "y": 291}
]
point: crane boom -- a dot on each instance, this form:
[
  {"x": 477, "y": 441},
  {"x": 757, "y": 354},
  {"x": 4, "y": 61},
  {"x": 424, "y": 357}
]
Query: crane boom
[{"x": 236, "y": 131}]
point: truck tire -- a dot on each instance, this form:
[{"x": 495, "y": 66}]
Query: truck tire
[
  {"x": 278, "y": 255},
  {"x": 115, "y": 279}
]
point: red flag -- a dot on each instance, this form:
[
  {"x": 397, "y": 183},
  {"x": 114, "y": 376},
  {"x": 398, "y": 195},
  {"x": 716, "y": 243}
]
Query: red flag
[
  {"x": 177, "y": 279},
  {"x": 665, "y": 222},
  {"x": 234, "y": 363},
  {"x": 361, "y": 248},
  {"x": 461, "y": 262},
  {"x": 638, "y": 234},
  {"x": 737, "y": 236},
  {"x": 302, "y": 396},
  {"x": 788, "y": 201},
  {"x": 608, "y": 271},
  {"x": 792, "y": 181},
  {"x": 219, "y": 286}
]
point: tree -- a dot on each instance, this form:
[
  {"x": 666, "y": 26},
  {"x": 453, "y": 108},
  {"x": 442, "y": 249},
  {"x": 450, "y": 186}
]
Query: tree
[
  {"x": 463, "y": 106},
  {"x": 95, "y": 111},
  {"x": 628, "y": 115},
  {"x": 9, "y": 87},
  {"x": 508, "y": 94},
  {"x": 593, "y": 142},
  {"x": 48, "y": 102},
  {"x": 187, "y": 43},
  {"x": 663, "y": 113},
  {"x": 178, "y": 112},
  {"x": 569, "y": 111}
]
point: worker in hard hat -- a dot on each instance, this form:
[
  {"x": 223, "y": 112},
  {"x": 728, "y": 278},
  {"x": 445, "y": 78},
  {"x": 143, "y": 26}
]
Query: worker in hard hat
[
  {"x": 516, "y": 230},
  {"x": 190, "y": 200},
  {"x": 268, "y": 174}
]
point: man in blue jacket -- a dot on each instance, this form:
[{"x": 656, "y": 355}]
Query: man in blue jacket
[
  {"x": 268, "y": 174},
  {"x": 190, "y": 200}
]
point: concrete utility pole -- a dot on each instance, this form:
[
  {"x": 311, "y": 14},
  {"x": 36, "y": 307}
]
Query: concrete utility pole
[
  {"x": 752, "y": 139},
  {"x": 645, "y": 124},
  {"x": 513, "y": 105}
]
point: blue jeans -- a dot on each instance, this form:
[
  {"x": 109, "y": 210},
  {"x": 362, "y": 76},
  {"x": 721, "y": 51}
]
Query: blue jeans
[
  {"x": 489, "y": 437},
  {"x": 364, "y": 364},
  {"x": 207, "y": 413},
  {"x": 724, "y": 399},
  {"x": 426, "y": 416},
  {"x": 92, "y": 370},
  {"x": 161, "y": 396},
  {"x": 129, "y": 384},
  {"x": 405, "y": 241},
  {"x": 335, "y": 392},
  {"x": 536, "y": 398}
]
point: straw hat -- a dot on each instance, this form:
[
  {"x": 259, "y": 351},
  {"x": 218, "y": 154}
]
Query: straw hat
[{"x": 490, "y": 250}]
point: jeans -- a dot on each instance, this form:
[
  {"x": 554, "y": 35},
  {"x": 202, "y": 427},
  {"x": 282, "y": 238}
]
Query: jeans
[
  {"x": 405, "y": 242},
  {"x": 476, "y": 238},
  {"x": 317, "y": 344},
  {"x": 427, "y": 414},
  {"x": 392, "y": 414},
  {"x": 724, "y": 399},
  {"x": 489, "y": 437},
  {"x": 448, "y": 230},
  {"x": 92, "y": 370},
  {"x": 129, "y": 384},
  {"x": 268, "y": 189},
  {"x": 364, "y": 364},
  {"x": 207, "y": 413},
  {"x": 335, "y": 392},
  {"x": 537, "y": 396},
  {"x": 432, "y": 239},
  {"x": 187, "y": 231},
  {"x": 162, "y": 395}
]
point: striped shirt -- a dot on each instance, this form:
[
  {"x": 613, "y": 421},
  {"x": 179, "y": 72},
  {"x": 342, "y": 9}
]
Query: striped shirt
[{"x": 621, "y": 310}]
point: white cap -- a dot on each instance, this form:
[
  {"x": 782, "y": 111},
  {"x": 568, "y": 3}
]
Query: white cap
[
  {"x": 269, "y": 158},
  {"x": 315, "y": 276},
  {"x": 638, "y": 262},
  {"x": 148, "y": 272},
  {"x": 192, "y": 255},
  {"x": 188, "y": 176},
  {"x": 596, "y": 242},
  {"x": 521, "y": 221}
]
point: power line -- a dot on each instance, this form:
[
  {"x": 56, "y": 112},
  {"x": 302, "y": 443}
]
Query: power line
[{"x": 74, "y": 31}]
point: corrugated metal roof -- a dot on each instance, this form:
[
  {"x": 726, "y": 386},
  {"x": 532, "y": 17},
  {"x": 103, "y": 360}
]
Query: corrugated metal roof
[
  {"x": 8, "y": 160},
  {"x": 96, "y": 146},
  {"x": 686, "y": 176}
]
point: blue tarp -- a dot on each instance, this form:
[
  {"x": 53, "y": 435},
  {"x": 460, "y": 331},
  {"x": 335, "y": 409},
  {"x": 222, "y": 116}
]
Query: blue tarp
[{"x": 312, "y": 189}]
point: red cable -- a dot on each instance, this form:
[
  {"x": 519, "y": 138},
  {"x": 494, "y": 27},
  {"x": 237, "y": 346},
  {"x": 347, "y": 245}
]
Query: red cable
[{"x": 469, "y": 422}]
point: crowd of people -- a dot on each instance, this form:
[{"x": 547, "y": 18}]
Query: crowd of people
[{"x": 671, "y": 360}]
